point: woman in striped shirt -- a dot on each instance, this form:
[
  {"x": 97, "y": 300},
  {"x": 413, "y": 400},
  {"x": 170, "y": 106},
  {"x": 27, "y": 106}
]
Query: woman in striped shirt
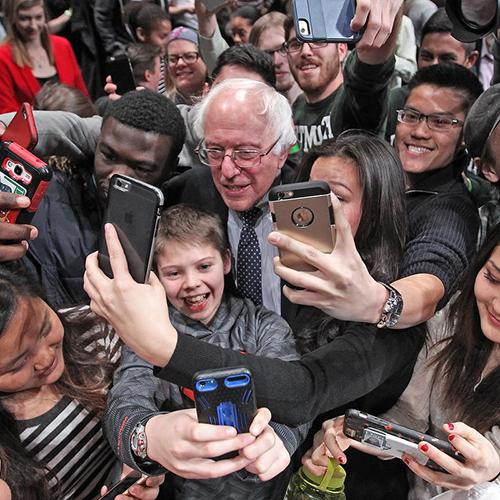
[{"x": 55, "y": 371}]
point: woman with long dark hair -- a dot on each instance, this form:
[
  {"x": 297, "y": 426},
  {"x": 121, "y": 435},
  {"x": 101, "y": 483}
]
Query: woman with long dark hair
[
  {"x": 30, "y": 57},
  {"x": 454, "y": 391},
  {"x": 55, "y": 371}
]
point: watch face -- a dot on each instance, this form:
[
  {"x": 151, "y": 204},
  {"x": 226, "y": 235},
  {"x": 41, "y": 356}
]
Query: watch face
[{"x": 138, "y": 441}]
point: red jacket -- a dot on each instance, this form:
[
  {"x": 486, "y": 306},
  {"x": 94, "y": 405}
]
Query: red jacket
[{"x": 18, "y": 85}]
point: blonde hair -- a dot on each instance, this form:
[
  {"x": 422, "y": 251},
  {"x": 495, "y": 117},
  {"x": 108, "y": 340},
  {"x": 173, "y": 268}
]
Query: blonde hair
[{"x": 20, "y": 55}]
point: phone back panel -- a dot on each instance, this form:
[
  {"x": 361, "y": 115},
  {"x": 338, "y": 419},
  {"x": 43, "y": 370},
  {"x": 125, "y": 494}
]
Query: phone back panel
[
  {"x": 225, "y": 397},
  {"x": 120, "y": 69},
  {"x": 24, "y": 174},
  {"x": 22, "y": 128},
  {"x": 306, "y": 217},
  {"x": 134, "y": 209},
  {"x": 324, "y": 20}
]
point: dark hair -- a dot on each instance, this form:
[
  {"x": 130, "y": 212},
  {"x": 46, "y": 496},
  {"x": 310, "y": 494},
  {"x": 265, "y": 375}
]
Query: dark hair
[
  {"x": 151, "y": 112},
  {"x": 250, "y": 58},
  {"x": 146, "y": 15},
  {"x": 271, "y": 20},
  {"x": 460, "y": 365},
  {"x": 251, "y": 14},
  {"x": 60, "y": 97},
  {"x": 381, "y": 232},
  {"x": 449, "y": 76},
  {"x": 87, "y": 377},
  {"x": 142, "y": 58},
  {"x": 439, "y": 22}
]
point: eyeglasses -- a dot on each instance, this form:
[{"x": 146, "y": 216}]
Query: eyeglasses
[
  {"x": 295, "y": 45},
  {"x": 280, "y": 50},
  {"x": 187, "y": 57},
  {"x": 435, "y": 121},
  {"x": 242, "y": 158}
]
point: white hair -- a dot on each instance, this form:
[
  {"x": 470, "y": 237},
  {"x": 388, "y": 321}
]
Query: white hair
[{"x": 266, "y": 102}]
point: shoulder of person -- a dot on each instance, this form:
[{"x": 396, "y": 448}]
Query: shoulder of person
[{"x": 59, "y": 41}]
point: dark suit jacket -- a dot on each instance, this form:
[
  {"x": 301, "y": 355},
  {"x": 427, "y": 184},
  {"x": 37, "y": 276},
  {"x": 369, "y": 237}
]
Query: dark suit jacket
[{"x": 196, "y": 187}]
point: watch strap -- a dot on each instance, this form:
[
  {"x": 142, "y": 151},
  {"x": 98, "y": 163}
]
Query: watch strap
[{"x": 392, "y": 308}]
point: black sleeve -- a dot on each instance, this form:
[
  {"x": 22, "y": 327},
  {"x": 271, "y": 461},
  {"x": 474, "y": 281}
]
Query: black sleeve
[{"x": 346, "y": 369}]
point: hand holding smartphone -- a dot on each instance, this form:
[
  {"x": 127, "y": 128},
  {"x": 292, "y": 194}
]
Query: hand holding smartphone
[
  {"x": 120, "y": 69},
  {"x": 304, "y": 212},
  {"x": 134, "y": 209},
  {"x": 393, "y": 439}
]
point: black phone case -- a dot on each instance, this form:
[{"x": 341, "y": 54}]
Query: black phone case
[
  {"x": 325, "y": 20},
  {"x": 225, "y": 403},
  {"x": 120, "y": 69},
  {"x": 121, "y": 486},
  {"x": 22, "y": 173},
  {"x": 355, "y": 423},
  {"x": 135, "y": 213}
]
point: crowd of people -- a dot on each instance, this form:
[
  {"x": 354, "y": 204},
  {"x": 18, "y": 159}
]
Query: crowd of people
[{"x": 400, "y": 320}]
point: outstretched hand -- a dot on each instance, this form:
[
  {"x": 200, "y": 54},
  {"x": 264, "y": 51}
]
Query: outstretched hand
[
  {"x": 482, "y": 462},
  {"x": 138, "y": 312},
  {"x": 342, "y": 286}
]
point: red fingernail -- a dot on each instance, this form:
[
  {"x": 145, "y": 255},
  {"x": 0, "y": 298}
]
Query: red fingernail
[
  {"x": 424, "y": 447},
  {"x": 451, "y": 426},
  {"x": 406, "y": 461},
  {"x": 451, "y": 437}
]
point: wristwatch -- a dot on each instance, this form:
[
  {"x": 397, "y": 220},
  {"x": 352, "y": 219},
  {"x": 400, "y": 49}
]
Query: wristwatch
[
  {"x": 139, "y": 442},
  {"x": 392, "y": 308}
]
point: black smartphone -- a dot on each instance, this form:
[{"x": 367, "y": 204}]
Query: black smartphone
[
  {"x": 225, "y": 397},
  {"x": 22, "y": 129},
  {"x": 134, "y": 209},
  {"x": 134, "y": 477},
  {"x": 394, "y": 439},
  {"x": 120, "y": 69},
  {"x": 22, "y": 173},
  {"x": 304, "y": 212},
  {"x": 325, "y": 20}
]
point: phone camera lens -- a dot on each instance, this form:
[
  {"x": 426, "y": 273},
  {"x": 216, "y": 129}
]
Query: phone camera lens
[
  {"x": 18, "y": 170},
  {"x": 302, "y": 217}
]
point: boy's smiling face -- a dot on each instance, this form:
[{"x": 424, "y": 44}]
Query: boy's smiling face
[{"x": 193, "y": 277}]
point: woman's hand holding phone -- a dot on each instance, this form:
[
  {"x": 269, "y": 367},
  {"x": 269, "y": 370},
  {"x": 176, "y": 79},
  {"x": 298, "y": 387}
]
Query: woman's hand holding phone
[
  {"x": 342, "y": 286},
  {"x": 133, "y": 309},
  {"x": 482, "y": 461}
]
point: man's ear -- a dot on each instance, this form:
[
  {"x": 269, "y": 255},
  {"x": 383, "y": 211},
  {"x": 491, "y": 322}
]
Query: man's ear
[
  {"x": 147, "y": 75},
  {"x": 342, "y": 49},
  {"x": 488, "y": 172},
  {"x": 139, "y": 33},
  {"x": 471, "y": 59}
]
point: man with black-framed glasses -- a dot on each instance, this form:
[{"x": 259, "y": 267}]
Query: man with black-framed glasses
[{"x": 337, "y": 98}]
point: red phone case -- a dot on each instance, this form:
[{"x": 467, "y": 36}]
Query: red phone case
[
  {"x": 22, "y": 128},
  {"x": 22, "y": 173}
]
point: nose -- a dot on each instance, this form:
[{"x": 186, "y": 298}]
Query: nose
[
  {"x": 123, "y": 169},
  {"x": 191, "y": 280},
  {"x": 421, "y": 129},
  {"x": 229, "y": 169},
  {"x": 306, "y": 50},
  {"x": 44, "y": 359}
]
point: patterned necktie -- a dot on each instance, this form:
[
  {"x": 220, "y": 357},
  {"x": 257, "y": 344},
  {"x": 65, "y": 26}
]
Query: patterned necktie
[{"x": 249, "y": 268}]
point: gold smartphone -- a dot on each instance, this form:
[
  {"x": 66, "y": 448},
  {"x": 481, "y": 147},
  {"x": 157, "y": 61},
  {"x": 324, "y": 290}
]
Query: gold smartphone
[{"x": 304, "y": 212}]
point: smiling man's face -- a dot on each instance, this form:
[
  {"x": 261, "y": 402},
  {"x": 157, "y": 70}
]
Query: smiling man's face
[
  {"x": 420, "y": 148},
  {"x": 232, "y": 123}
]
